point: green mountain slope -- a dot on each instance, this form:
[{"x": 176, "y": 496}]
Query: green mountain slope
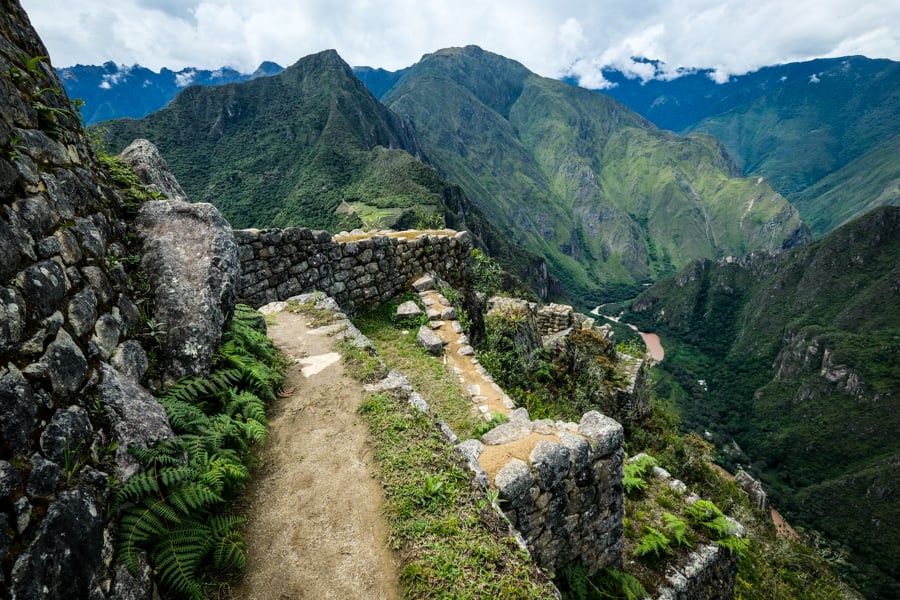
[
  {"x": 290, "y": 149},
  {"x": 609, "y": 200},
  {"x": 800, "y": 355},
  {"x": 864, "y": 183},
  {"x": 811, "y": 128}
]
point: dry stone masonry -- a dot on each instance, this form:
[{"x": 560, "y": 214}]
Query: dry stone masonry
[{"x": 357, "y": 273}]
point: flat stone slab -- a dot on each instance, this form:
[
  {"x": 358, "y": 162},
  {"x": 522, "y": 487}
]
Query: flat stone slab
[
  {"x": 465, "y": 351},
  {"x": 507, "y": 432},
  {"x": 423, "y": 283},
  {"x": 409, "y": 309},
  {"x": 430, "y": 341}
]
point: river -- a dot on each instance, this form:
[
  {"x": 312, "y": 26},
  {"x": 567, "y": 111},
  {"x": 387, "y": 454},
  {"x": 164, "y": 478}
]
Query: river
[{"x": 654, "y": 346}]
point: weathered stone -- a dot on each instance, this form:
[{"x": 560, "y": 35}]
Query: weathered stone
[
  {"x": 579, "y": 451},
  {"x": 607, "y": 434},
  {"x": 89, "y": 237},
  {"x": 68, "y": 435},
  {"x": 506, "y": 433},
  {"x": 408, "y": 309},
  {"x": 47, "y": 329},
  {"x": 12, "y": 318},
  {"x": 24, "y": 511},
  {"x": 753, "y": 488},
  {"x": 98, "y": 280},
  {"x": 9, "y": 480},
  {"x": 430, "y": 341},
  {"x": 63, "y": 364},
  {"x": 19, "y": 410},
  {"x": 513, "y": 482},
  {"x": 415, "y": 399},
  {"x": 44, "y": 477},
  {"x": 43, "y": 286},
  {"x": 72, "y": 534},
  {"x": 519, "y": 414},
  {"x": 69, "y": 250},
  {"x": 129, "y": 313},
  {"x": 152, "y": 169},
  {"x": 551, "y": 461},
  {"x": 137, "y": 418},
  {"x": 423, "y": 283},
  {"x": 10, "y": 253},
  {"x": 106, "y": 336},
  {"x": 130, "y": 359},
  {"x": 393, "y": 382},
  {"x": 128, "y": 586},
  {"x": 191, "y": 262},
  {"x": 83, "y": 311},
  {"x": 448, "y": 314},
  {"x": 465, "y": 351},
  {"x": 678, "y": 486}
]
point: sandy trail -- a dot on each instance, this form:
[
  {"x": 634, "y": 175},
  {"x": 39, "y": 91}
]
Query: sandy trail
[{"x": 316, "y": 525}]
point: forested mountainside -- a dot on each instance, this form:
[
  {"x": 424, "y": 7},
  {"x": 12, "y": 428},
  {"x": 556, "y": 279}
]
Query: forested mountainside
[
  {"x": 610, "y": 200},
  {"x": 796, "y": 358},
  {"x": 823, "y": 132}
]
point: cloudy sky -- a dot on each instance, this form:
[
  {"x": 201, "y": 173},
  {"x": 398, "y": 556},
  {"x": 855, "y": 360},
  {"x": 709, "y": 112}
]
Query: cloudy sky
[{"x": 552, "y": 38}]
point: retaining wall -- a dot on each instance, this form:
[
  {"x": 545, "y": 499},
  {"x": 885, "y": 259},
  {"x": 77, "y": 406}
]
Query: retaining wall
[{"x": 358, "y": 273}]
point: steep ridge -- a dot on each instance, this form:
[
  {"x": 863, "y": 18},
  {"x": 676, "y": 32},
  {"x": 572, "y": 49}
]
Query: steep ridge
[
  {"x": 796, "y": 359},
  {"x": 576, "y": 177},
  {"x": 287, "y": 149}
]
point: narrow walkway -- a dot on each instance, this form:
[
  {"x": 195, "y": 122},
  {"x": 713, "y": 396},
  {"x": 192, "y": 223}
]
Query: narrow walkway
[
  {"x": 487, "y": 397},
  {"x": 316, "y": 525}
]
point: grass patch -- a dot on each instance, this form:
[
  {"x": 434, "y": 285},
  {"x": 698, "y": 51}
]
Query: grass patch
[
  {"x": 452, "y": 543},
  {"x": 318, "y": 317},
  {"x": 399, "y": 350}
]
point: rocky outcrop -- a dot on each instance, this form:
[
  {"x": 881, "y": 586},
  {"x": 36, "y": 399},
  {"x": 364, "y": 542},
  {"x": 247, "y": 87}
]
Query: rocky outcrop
[
  {"x": 191, "y": 262},
  {"x": 152, "y": 169},
  {"x": 709, "y": 573}
]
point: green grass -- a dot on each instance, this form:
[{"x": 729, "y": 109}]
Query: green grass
[
  {"x": 452, "y": 543},
  {"x": 397, "y": 347}
]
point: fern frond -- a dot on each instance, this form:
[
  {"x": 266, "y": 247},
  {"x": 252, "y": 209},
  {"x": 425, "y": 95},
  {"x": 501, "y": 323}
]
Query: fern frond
[
  {"x": 653, "y": 542},
  {"x": 677, "y": 528},
  {"x": 703, "y": 510},
  {"x": 734, "y": 545},
  {"x": 184, "y": 416},
  {"x": 178, "y": 559},
  {"x": 137, "y": 487},
  {"x": 228, "y": 543}
]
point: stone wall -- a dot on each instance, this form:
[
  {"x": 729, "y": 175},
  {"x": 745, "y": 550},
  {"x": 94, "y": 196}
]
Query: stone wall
[
  {"x": 358, "y": 273},
  {"x": 565, "y": 495},
  {"x": 709, "y": 573},
  {"x": 69, "y": 359}
]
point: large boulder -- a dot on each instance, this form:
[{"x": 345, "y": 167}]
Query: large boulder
[
  {"x": 191, "y": 261},
  {"x": 152, "y": 169}
]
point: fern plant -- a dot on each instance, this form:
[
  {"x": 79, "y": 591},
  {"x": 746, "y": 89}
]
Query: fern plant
[
  {"x": 653, "y": 542},
  {"x": 636, "y": 472},
  {"x": 176, "y": 509},
  {"x": 677, "y": 528}
]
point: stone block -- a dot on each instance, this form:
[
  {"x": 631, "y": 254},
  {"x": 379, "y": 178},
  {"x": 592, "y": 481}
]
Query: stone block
[{"x": 430, "y": 341}]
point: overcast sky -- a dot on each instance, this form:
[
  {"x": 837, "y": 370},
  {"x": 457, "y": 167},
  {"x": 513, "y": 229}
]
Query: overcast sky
[{"x": 551, "y": 37}]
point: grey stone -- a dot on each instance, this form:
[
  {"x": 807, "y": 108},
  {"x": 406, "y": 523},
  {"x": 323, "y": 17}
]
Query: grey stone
[
  {"x": 89, "y": 237},
  {"x": 661, "y": 473},
  {"x": 130, "y": 359},
  {"x": 128, "y": 586},
  {"x": 24, "y": 511},
  {"x": 506, "y": 433},
  {"x": 678, "y": 486},
  {"x": 607, "y": 434},
  {"x": 448, "y": 433},
  {"x": 72, "y": 534},
  {"x": 191, "y": 261},
  {"x": 137, "y": 418},
  {"x": 12, "y": 318},
  {"x": 63, "y": 364},
  {"x": 98, "y": 280},
  {"x": 69, "y": 250},
  {"x": 579, "y": 451},
  {"x": 448, "y": 314},
  {"x": 10, "y": 253},
  {"x": 152, "y": 169},
  {"x": 129, "y": 313},
  {"x": 19, "y": 410},
  {"x": 435, "y": 324},
  {"x": 394, "y": 381},
  {"x": 433, "y": 314},
  {"x": 551, "y": 461},
  {"x": 47, "y": 329},
  {"x": 43, "y": 286},
  {"x": 83, "y": 311},
  {"x": 423, "y": 283},
  {"x": 68, "y": 435},
  {"x": 519, "y": 414},
  {"x": 48, "y": 247},
  {"x": 44, "y": 477},
  {"x": 408, "y": 309},
  {"x": 513, "y": 482},
  {"x": 9, "y": 480},
  {"x": 456, "y": 326},
  {"x": 753, "y": 489},
  {"x": 544, "y": 426},
  {"x": 430, "y": 341},
  {"x": 106, "y": 336},
  {"x": 415, "y": 399},
  {"x": 471, "y": 449}
]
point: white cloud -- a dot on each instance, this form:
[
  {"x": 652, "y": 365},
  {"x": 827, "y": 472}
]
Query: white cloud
[{"x": 564, "y": 37}]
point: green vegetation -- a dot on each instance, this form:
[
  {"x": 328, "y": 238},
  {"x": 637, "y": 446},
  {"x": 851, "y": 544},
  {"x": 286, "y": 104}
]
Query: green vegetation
[
  {"x": 605, "y": 198},
  {"x": 795, "y": 358},
  {"x": 178, "y": 509},
  {"x": 396, "y": 345},
  {"x": 453, "y": 543}
]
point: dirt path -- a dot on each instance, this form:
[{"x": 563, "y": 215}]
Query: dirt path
[{"x": 316, "y": 524}]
